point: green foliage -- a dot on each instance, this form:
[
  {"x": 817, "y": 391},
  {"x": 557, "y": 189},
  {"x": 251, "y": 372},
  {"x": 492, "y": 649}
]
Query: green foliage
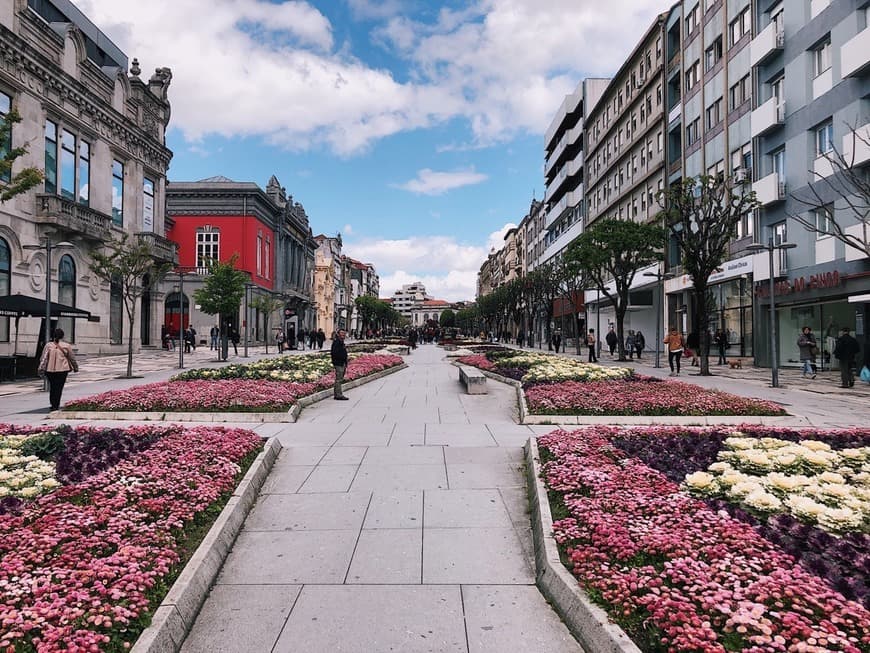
[
  {"x": 222, "y": 291},
  {"x": 447, "y": 318},
  {"x": 24, "y": 179},
  {"x": 45, "y": 445}
]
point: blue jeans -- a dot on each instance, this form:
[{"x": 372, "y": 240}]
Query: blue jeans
[{"x": 809, "y": 367}]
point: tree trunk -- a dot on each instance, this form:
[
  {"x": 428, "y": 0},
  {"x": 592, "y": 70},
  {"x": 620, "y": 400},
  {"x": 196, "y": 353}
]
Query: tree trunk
[
  {"x": 701, "y": 326},
  {"x": 131, "y": 316},
  {"x": 620, "y": 319}
]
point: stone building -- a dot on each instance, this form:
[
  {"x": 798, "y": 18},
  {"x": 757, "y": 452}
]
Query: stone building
[
  {"x": 97, "y": 130},
  {"x": 332, "y": 288}
]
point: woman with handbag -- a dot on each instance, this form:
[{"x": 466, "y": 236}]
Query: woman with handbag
[
  {"x": 809, "y": 349},
  {"x": 57, "y": 361}
]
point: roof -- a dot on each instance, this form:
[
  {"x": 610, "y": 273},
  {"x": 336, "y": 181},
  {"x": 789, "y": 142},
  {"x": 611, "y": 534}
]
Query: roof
[
  {"x": 435, "y": 302},
  {"x": 217, "y": 179}
]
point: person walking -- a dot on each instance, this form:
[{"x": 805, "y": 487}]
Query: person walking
[
  {"x": 279, "y": 339},
  {"x": 808, "y": 348},
  {"x": 193, "y": 338},
  {"x": 188, "y": 340},
  {"x": 846, "y": 350},
  {"x": 612, "y": 340},
  {"x": 234, "y": 338},
  {"x": 590, "y": 344},
  {"x": 721, "y": 341},
  {"x": 213, "y": 335},
  {"x": 675, "y": 344},
  {"x": 520, "y": 338},
  {"x": 557, "y": 340},
  {"x": 629, "y": 344},
  {"x": 312, "y": 338},
  {"x": 57, "y": 361},
  {"x": 338, "y": 355},
  {"x": 321, "y": 338},
  {"x": 639, "y": 343}
]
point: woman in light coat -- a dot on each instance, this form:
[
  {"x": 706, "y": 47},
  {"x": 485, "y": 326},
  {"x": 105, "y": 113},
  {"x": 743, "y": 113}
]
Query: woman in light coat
[{"x": 57, "y": 361}]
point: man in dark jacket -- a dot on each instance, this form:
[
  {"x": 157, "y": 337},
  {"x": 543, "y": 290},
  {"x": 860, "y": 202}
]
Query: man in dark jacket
[
  {"x": 338, "y": 354},
  {"x": 846, "y": 350}
]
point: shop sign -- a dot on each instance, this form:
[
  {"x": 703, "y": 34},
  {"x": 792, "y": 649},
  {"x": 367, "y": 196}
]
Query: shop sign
[
  {"x": 727, "y": 270},
  {"x": 800, "y": 284}
]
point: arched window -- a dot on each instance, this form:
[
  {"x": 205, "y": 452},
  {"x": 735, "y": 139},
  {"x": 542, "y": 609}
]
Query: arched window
[
  {"x": 66, "y": 293},
  {"x": 5, "y": 285}
]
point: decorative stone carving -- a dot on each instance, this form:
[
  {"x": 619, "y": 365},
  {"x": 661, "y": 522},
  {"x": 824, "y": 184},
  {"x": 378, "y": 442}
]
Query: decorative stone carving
[{"x": 37, "y": 274}]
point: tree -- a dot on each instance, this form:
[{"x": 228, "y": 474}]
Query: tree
[
  {"x": 266, "y": 304},
  {"x": 129, "y": 264},
  {"x": 447, "y": 318},
  {"x": 26, "y": 178},
  {"x": 611, "y": 252},
  {"x": 846, "y": 184},
  {"x": 702, "y": 215},
  {"x": 367, "y": 308},
  {"x": 574, "y": 281},
  {"x": 221, "y": 294}
]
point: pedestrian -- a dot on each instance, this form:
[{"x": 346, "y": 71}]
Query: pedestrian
[
  {"x": 57, "y": 361},
  {"x": 693, "y": 344},
  {"x": 164, "y": 336},
  {"x": 520, "y": 338},
  {"x": 312, "y": 338},
  {"x": 321, "y": 338},
  {"x": 591, "y": 343},
  {"x": 809, "y": 349},
  {"x": 721, "y": 342},
  {"x": 303, "y": 335},
  {"x": 234, "y": 338},
  {"x": 214, "y": 334},
  {"x": 612, "y": 340},
  {"x": 639, "y": 342},
  {"x": 557, "y": 340},
  {"x": 188, "y": 340},
  {"x": 674, "y": 342},
  {"x": 338, "y": 355},
  {"x": 846, "y": 350},
  {"x": 629, "y": 344},
  {"x": 279, "y": 338},
  {"x": 193, "y": 338}
]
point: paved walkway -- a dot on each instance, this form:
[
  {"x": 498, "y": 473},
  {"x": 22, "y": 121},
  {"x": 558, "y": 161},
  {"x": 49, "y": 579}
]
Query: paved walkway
[{"x": 397, "y": 521}]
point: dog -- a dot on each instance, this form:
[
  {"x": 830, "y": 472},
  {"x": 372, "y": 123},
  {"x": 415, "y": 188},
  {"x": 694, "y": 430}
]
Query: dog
[{"x": 735, "y": 364}]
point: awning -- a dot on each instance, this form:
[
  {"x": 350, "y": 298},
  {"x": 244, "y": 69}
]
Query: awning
[{"x": 19, "y": 305}]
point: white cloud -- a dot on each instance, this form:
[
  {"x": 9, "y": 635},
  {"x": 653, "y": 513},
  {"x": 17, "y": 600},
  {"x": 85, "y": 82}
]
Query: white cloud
[
  {"x": 496, "y": 238},
  {"x": 432, "y": 182},
  {"x": 273, "y": 70},
  {"x": 347, "y": 230}
]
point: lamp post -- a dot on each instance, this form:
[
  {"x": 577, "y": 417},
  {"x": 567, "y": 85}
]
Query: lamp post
[
  {"x": 660, "y": 277},
  {"x": 47, "y": 246},
  {"x": 770, "y": 247},
  {"x": 248, "y": 287}
]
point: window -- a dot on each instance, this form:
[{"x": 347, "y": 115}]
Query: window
[
  {"x": 117, "y": 193},
  {"x": 714, "y": 114},
  {"x": 207, "y": 248},
  {"x": 693, "y": 75},
  {"x": 779, "y": 237},
  {"x": 147, "y": 204},
  {"x": 84, "y": 173},
  {"x": 778, "y": 161},
  {"x": 713, "y": 54},
  {"x": 5, "y": 284},
  {"x": 67, "y": 165},
  {"x": 822, "y": 217},
  {"x": 66, "y": 293},
  {"x": 739, "y": 27},
  {"x": 6, "y": 138},
  {"x": 822, "y": 57},
  {"x": 116, "y": 313},
  {"x": 266, "y": 255},
  {"x": 692, "y": 20},
  {"x": 741, "y": 160},
  {"x": 740, "y": 92},
  {"x": 259, "y": 254},
  {"x": 824, "y": 138},
  {"x": 50, "y": 157},
  {"x": 693, "y": 131},
  {"x": 746, "y": 227}
]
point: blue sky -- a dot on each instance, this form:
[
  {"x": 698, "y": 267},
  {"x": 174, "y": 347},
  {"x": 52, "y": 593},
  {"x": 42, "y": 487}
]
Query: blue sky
[{"x": 413, "y": 128}]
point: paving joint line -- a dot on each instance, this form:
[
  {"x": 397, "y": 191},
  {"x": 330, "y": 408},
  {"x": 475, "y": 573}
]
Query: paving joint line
[{"x": 358, "y": 536}]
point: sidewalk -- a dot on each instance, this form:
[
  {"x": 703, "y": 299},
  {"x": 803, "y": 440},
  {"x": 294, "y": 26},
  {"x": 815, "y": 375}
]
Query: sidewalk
[{"x": 397, "y": 521}]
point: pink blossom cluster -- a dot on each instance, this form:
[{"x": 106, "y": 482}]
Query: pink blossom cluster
[
  {"x": 228, "y": 395},
  {"x": 695, "y": 579},
  {"x": 78, "y": 567},
  {"x": 640, "y": 396},
  {"x": 477, "y": 360}
]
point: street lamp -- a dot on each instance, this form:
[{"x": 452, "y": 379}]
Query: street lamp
[
  {"x": 660, "y": 277},
  {"x": 770, "y": 247},
  {"x": 248, "y": 286},
  {"x": 47, "y": 246}
]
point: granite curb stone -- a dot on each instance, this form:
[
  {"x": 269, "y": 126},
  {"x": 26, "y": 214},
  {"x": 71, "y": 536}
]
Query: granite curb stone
[
  {"x": 586, "y": 621},
  {"x": 174, "y": 617}
]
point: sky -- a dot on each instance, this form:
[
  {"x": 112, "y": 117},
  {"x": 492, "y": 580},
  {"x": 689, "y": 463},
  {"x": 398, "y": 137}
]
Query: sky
[{"x": 413, "y": 128}]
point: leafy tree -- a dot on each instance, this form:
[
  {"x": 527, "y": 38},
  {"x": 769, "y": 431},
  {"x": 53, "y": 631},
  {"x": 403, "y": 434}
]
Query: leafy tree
[
  {"x": 221, "y": 294},
  {"x": 130, "y": 263},
  {"x": 611, "y": 252},
  {"x": 466, "y": 319},
  {"x": 367, "y": 308},
  {"x": 266, "y": 304},
  {"x": 847, "y": 185},
  {"x": 448, "y": 318},
  {"x": 26, "y": 178},
  {"x": 574, "y": 282},
  {"x": 702, "y": 215}
]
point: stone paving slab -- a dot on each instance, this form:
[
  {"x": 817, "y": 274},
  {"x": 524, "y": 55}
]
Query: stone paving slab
[
  {"x": 388, "y": 478},
  {"x": 398, "y": 509},
  {"x": 387, "y": 557},
  {"x": 465, "y": 508},
  {"x": 479, "y": 476},
  {"x": 480, "y": 556},
  {"x": 301, "y": 512},
  {"x": 329, "y": 478}
]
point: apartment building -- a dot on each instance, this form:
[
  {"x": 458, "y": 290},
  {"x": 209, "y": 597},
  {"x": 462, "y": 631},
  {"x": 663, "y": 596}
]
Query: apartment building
[
  {"x": 409, "y": 297},
  {"x": 811, "y": 68},
  {"x": 96, "y": 128},
  {"x": 709, "y": 93}
]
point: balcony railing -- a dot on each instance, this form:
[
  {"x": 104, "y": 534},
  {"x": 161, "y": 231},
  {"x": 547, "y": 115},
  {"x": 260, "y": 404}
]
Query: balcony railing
[
  {"x": 855, "y": 55},
  {"x": 72, "y": 217},
  {"x": 769, "y": 115},
  {"x": 162, "y": 248},
  {"x": 769, "y": 41},
  {"x": 856, "y": 146},
  {"x": 769, "y": 189}
]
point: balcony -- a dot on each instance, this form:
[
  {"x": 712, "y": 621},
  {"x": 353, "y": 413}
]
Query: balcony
[
  {"x": 822, "y": 83},
  {"x": 817, "y": 7},
  {"x": 856, "y": 146},
  {"x": 675, "y": 113},
  {"x": 162, "y": 248},
  {"x": 768, "y": 116},
  {"x": 855, "y": 55},
  {"x": 769, "y": 42},
  {"x": 72, "y": 218},
  {"x": 823, "y": 166},
  {"x": 769, "y": 189}
]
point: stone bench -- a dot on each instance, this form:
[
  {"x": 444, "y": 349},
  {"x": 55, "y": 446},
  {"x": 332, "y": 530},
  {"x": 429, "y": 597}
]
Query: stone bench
[{"x": 473, "y": 379}]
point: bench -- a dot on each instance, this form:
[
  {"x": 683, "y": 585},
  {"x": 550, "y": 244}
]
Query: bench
[{"x": 473, "y": 379}]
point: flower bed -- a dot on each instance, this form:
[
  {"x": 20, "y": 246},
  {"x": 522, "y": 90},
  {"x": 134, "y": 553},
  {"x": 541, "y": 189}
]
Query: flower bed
[
  {"x": 302, "y": 368},
  {"x": 82, "y": 566},
  {"x": 681, "y": 574},
  {"x": 236, "y": 394},
  {"x": 562, "y": 386}
]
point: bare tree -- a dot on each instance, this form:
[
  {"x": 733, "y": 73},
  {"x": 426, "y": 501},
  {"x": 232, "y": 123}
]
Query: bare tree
[{"x": 845, "y": 183}]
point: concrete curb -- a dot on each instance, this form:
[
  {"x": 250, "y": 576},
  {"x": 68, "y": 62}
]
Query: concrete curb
[
  {"x": 156, "y": 416},
  {"x": 586, "y": 621},
  {"x": 174, "y": 617}
]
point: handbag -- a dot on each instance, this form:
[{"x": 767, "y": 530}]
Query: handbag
[
  {"x": 73, "y": 365},
  {"x": 814, "y": 351}
]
